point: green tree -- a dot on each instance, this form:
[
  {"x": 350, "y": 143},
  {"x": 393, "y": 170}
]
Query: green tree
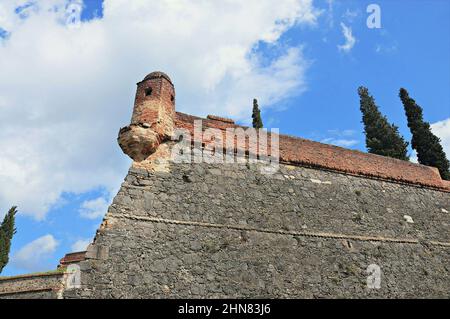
[
  {"x": 427, "y": 145},
  {"x": 382, "y": 137},
  {"x": 7, "y": 231},
  {"x": 256, "y": 115}
]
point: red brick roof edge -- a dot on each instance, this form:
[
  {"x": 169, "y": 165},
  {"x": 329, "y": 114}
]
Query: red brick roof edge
[
  {"x": 303, "y": 152},
  {"x": 72, "y": 258}
]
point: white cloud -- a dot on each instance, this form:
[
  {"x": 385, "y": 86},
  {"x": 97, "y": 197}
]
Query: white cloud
[
  {"x": 80, "y": 245},
  {"x": 386, "y": 49},
  {"x": 413, "y": 157},
  {"x": 340, "y": 142},
  {"x": 64, "y": 92},
  {"x": 344, "y": 133},
  {"x": 330, "y": 13},
  {"x": 344, "y": 138},
  {"x": 351, "y": 15},
  {"x": 7, "y": 17},
  {"x": 350, "y": 40},
  {"x": 442, "y": 130},
  {"x": 93, "y": 209},
  {"x": 34, "y": 255}
]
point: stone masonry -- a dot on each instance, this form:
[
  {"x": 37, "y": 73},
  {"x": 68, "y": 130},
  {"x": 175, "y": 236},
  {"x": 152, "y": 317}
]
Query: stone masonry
[
  {"x": 227, "y": 231},
  {"x": 311, "y": 230},
  {"x": 316, "y": 228},
  {"x": 34, "y": 286}
]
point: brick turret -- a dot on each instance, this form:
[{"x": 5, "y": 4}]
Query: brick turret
[{"x": 152, "y": 121}]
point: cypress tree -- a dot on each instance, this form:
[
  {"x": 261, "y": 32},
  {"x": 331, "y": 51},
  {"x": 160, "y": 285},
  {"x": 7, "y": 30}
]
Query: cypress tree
[
  {"x": 427, "y": 145},
  {"x": 7, "y": 231},
  {"x": 256, "y": 115},
  {"x": 382, "y": 137}
]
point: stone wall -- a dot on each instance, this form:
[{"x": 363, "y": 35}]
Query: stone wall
[
  {"x": 200, "y": 230},
  {"x": 299, "y": 151},
  {"x": 316, "y": 228},
  {"x": 34, "y": 286}
]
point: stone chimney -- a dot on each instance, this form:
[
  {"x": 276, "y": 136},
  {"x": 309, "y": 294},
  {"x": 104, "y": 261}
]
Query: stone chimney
[{"x": 152, "y": 121}]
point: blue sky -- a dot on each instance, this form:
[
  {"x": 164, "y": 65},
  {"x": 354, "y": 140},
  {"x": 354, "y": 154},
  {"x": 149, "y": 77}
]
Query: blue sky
[
  {"x": 415, "y": 47},
  {"x": 306, "y": 86}
]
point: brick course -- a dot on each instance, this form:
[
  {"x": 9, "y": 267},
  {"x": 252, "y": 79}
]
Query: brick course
[{"x": 298, "y": 151}]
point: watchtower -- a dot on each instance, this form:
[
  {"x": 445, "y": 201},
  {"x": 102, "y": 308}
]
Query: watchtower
[{"x": 152, "y": 121}]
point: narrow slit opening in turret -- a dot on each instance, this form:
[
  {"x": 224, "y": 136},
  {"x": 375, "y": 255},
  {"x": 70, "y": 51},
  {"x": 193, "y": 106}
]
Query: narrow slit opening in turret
[{"x": 148, "y": 91}]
